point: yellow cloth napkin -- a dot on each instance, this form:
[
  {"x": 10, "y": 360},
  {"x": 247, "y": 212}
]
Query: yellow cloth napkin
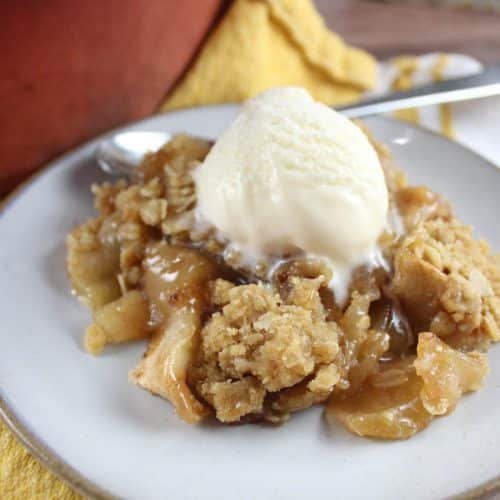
[
  {"x": 23, "y": 478},
  {"x": 268, "y": 43},
  {"x": 257, "y": 45}
]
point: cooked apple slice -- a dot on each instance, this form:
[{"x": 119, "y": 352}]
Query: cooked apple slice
[
  {"x": 174, "y": 281},
  {"x": 163, "y": 368},
  {"x": 446, "y": 373},
  {"x": 390, "y": 412},
  {"x": 92, "y": 266},
  {"x": 122, "y": 320}
]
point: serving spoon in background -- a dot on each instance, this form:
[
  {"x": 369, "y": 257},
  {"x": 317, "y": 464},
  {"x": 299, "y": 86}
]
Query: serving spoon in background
[{"x": 120, "y": 153}]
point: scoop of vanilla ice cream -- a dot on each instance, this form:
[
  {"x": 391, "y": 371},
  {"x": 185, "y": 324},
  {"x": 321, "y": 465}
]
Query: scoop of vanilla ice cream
[{"x": 291, "y": 173}]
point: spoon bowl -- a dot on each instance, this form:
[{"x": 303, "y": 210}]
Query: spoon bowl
[{"x": 120, "y": 153}]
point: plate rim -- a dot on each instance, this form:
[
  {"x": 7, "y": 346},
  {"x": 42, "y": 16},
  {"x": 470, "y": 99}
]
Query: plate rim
[{"x": 36, "y": 445}]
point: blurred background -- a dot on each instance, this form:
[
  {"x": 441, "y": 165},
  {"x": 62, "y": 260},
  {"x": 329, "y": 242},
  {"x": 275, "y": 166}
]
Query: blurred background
[
  {"x": 389, "y": 28},
  {"x": 73, "y": 70}
]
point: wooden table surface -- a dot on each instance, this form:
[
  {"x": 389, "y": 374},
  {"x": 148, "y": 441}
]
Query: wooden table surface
[{"x": 387, "y": 29}]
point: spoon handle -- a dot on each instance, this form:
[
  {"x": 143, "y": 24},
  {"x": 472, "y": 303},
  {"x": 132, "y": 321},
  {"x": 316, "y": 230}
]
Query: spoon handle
[{"x": 484, "y": 84}]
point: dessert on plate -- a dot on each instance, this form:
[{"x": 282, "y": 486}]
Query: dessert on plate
[{"x": 289, "y": 264}]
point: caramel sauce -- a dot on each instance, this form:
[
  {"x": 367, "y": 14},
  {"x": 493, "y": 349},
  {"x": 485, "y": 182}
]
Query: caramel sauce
[{"x": 387, "y": 315}]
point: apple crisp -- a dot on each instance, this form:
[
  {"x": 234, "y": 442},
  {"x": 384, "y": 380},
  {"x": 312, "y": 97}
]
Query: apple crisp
[{"x": 255, "y": 341}]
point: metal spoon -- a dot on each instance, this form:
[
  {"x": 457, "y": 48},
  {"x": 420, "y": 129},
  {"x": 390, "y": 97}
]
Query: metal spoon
[{"x": 122, "y": 152}]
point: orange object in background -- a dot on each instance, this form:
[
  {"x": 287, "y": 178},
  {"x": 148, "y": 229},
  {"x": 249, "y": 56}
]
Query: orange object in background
[{"x": 71, "y": 70}]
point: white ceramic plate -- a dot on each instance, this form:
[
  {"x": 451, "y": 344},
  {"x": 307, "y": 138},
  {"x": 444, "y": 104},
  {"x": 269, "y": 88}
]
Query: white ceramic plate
[{"x": 107, "y": 437}]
